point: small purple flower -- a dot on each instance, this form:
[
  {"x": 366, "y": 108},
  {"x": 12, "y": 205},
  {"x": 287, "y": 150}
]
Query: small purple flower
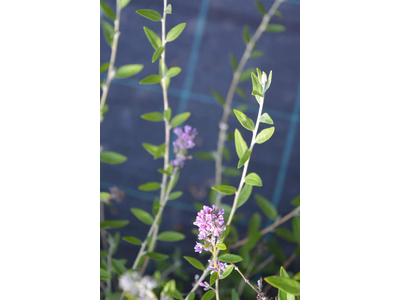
[
  {"x": 205, "y": 285},
  {"x": 211, "y": 226},
  {"x": 184, "y": 142},
  {"x": 220, "y": 268}
]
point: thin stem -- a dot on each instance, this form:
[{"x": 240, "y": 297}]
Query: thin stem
[
  {"x": 103, "y": 232},
  {"x": 244, "y": 278},
  {"x": 109, "y": 256},
  {"x": 215, "y": 253},
  {"x": 223, "y": 125},
  {"x": 247, "y": 275},
  {"x": 269, "y": 228},
  {"x": 114, "y": 46}
]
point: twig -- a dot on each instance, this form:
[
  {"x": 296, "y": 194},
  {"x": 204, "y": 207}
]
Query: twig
[
  {"x": 247, "y": 275},
  {"x": 269, "y": 228},
  {"x": 114, "y": 46},
  {"x": 223, "y": 125},
  {"x": 244, "y": 278}
]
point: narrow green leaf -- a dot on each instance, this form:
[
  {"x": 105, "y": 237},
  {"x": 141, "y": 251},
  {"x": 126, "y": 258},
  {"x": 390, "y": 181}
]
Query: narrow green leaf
[
  {"x": 234, "y": 295},
  {"x": 153, "y": 38},
  {"x": 297, "y": 276},
  {"x": 275, "y": 28},
  {"x": 124, "y": 3},
  {"x": 195, "y": 263},
  {"x": 266, "y": 206},
  {"x": 104, "y": 196},
  {"x": 256, "y": 54},
  {"x": 118, "y": 266},
  {"x": 107, "y": 10},
  {"x": 244, "y": 158},
  {"x": 231, "y": 172},
  {"x": 226, "y": 153},
  {"x": 150, "y": 14},
  {"x": 245, "y": 75},
  {"x": 157, "y": 256},
  {"x": 153, "y": 117},
  {"x": 108, "y": 32},
  {"x": 167, "y": 114},
  {"x": 218, "y": 97},
  {"x": 132, "y": 240},
  {"x": 257, "y": 93},
  {"x": 170, "y": 236},
  {"x": 279, "y": 14},
  {"x": 157, "y": 53},
  {"x": 265, "y": 135},
  {"x": 104, "y": 274},
  {"x": 296, "y": 201},
  {"x": 285, "y": 234},
  {"x": 260, "y": 8},
  {"x": 265, "y": 118},
  {"x": 104, "y": 67},
  {"x": 179, "y": 119},
  {"x": 230, "y": 258},
  {"x": 128, "y": 71},
  {"x": 114, "y": 224},
  {"x": 175, "y": 32},
  {"x": 208, "y": 295},
  {"x": 246, "y": 34},
  {"x": 244, "y": 195},
  {"x": 287, "y": 285},
  {"x": 152, "y": 79},
  {"x": 241, "y": 93},
  {"x": 227, "y": 272},
  {"x": 253, "y": 179},
  {"x": 173, "y": 72},
  {"x": 240, "y": 144},
  {"x": 233, "y": 62},
  {"x": 224, "y": 189},
  {"x": 221, "y": 246},
  {"x": 296, "y": 229},
  {"x": 112, "y": 158},
  {"x": 160, "y": 151},
  {"x": 152, "y": 149},
  {"x": 206, "y": 156},
  {"x": 191, "y": 296},
  {"x": 149, "y": 186},
  {"x": 175, "y": 195},
  {"x": 142, "y": 215},
  {"x": 168, "y": 10},
  {"x": 213, "y": 278},
  {"x": 244, "y": 120},
  {"x": 281, "y": 294}
]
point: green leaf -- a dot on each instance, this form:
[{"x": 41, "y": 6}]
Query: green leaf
[
  {"x": 246, "y": 34},
  {"x": 240, "y": 144},
  {"x": 297, "y": 276},
  {"x": 150, "y": 186},
  {"x": 150, "y": 14},
  {"x": 157, "y": 53},
  {"x": 173, "y": 72},
  {"x": 287, "y": 285},
  {"x": 152, "y": 149},
  {"x": 245, "y": 75},
  {"x": 142, "y": 215},
  {"x": 167, "y": 114},
  {"x": 208, "y": 295},
  {"x": 253, "y": 179},
  {"x": 226, "y": 153},
  {"x": 153, "y": 116},
  {"x": 104, "y": 67},
  {"x": 227, "y": 272},
  {"x": 128, "y": 71},
  {"x": 170, "y": 236},
  {"x": 157, "y": 256},
  {"x": 275, "y": 28},
  {"x": 104, "y": 274},
  {"x": 256, "y": 54},
  {"x": 241, "y": 93},
  {"x": 206, "y": 156},
  {"x": 257, "y": 93},
  {"x": 265, "y": 118},
  {"x": 175, "y": 32},
  {"x": 112, "y": 158},
  {"x": 221, "y": 246},
  {"x": 107, "y": 10},
  {"x": 285, "y": 234},
  {"x": 230, "y": 258},
  {"x": 153, "y": 38},
  {"x": 281, "y": 294},
  {"x": 244, "y": 120},
  {"x": 175, "y": 195},
  {"x": 124, "y": 3},
  {"x": 218, "y": 97},
  {"x": 114, "y": 224},
  {"x": 266, "y": 206},
  {"x": 244, "y": 158},
  {"x": 279, "y": 14},
  {"x": 213, "y": 278},
  {"x": 231, "y": 172},
  {"x": 179, "y": 119},
  {"x": 195, "y": 263},
  {"x": 224, "y": 189},
  {"x": 260, "y": 8},
  {"x": 118, "y": 266},
  {"x": 160, "y": 151},
  {"x": 151, "y": 79},
  {"x": 104, "y": 196},
  {"x": 244, "y": 195},
  {"x": 168, "y": 10},
  {"x": 108, "y": 32},
  {"x": 296, "y": 229},
  {"x": 265, "y": 135},
  {"x": 234, "y": 295},
  {"x": 191, "y": 296},
  {"x": 233, "y": 62},
  {"x": 132, "y": 240},
  {"x": 296, "y": 201}
]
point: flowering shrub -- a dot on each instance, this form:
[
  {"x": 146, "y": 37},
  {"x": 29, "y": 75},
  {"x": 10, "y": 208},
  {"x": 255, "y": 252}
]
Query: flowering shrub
[{"x": 217, "y": 235}]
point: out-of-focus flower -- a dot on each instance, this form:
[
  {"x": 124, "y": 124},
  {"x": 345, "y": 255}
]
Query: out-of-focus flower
[
  {"x": 205, "y": 285},
  {"x": 137, "y": 286},
  {"x": 184, "y": 142},
  {"x": 116, "y": 194}
]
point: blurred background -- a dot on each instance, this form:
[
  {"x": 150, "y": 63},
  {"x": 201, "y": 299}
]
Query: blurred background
[{"x": 214, "y": 29}]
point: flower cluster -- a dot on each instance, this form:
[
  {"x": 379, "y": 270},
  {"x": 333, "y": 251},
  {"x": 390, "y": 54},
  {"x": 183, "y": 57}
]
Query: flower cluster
[
  {"x": 211, "y": 226},
  {"x": 219, "y": 268},
  {"x": 137, "y": 286},
  {"x": 182, "y": 144}
]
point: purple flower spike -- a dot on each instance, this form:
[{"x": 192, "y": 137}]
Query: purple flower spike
[{"x": 184, "y": 142}]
